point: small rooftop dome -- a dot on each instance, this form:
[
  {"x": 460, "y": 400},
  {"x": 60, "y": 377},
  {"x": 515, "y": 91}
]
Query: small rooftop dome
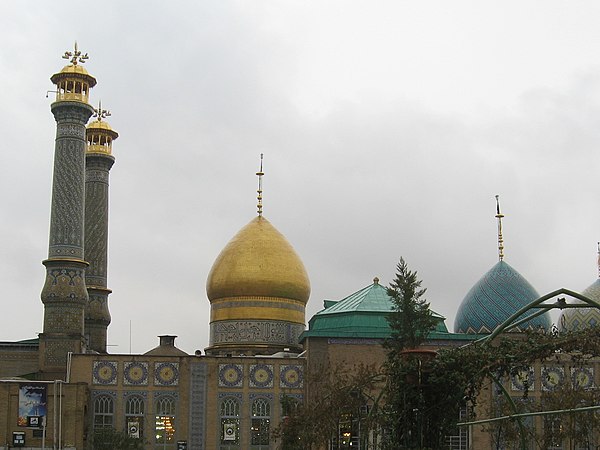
[{"x": 166, "y": 347}]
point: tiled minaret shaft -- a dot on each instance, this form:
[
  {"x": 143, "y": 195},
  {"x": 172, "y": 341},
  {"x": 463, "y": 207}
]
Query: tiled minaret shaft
[
  {"x": 64, "y": 294},
  {"x": 99, "y": 161}
]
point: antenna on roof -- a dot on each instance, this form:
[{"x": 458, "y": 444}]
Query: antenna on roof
[
  {"x": 260, "y": 174},
  {"x": 499, "y": 216}
]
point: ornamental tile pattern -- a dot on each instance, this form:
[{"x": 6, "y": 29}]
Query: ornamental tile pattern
[
  {"x": 266, "y": 395},
  {"x": 135, "y": 373},
  {"x": 261, "y": 376},
  {"x": 166, "y": 374},
  {"x": 172, "y": 395},
  {"x": 236, "y": 395},
  {"x": 255, "y": 331},
  {"x": 552, "y": 378},
  {"x": 68, "y": 197},
  {"x": 523, "y": 380},
  {"x": 575, "y": 319},
  {"x": 582, "y": 377},
  {"x": 99, "y": 393},
  {"x": 142, "y": 394},
  {"x": 198, "y": 377},
  {"x": 231, "y": 375},
  {"x": 291, "y": 376},
  {"x": 105, "y": 372}
]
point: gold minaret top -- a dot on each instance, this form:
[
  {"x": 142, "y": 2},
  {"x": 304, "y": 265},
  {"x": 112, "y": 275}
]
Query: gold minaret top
[
  {"x": 260, "y": 174},
  {"x": 99, "y": 134},
  {"x": 73, "y": 82},
  {"x": 499, "y": 216}
]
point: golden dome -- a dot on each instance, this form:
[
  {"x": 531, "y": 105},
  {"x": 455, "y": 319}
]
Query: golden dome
[
  {"x": 99, "y": 136},
  {"x": 73, "y": 71},
  {"x": 99, "y": 125},
  {"x": 258, "y": 262}
]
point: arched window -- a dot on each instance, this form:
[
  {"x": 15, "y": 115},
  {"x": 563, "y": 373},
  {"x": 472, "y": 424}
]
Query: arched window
[
  {"x": 230, "y": 423},
  {"x": 260, "y": 421},
  {"x": 104, "y": 409},
  {"x": 134, "y": 416},
  {"x": 165, "y": 422}
]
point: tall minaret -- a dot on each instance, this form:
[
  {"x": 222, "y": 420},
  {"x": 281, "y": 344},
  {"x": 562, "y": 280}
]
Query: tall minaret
[
  {"x": 98, "y": 160},
  {"x": 64, "y": 294}
]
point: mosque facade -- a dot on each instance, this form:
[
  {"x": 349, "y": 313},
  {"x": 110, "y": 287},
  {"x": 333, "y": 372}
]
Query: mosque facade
[{"x": 60, "y": 389}]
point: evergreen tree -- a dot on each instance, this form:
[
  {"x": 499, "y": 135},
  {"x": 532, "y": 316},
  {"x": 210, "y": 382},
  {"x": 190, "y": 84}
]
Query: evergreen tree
[
  {"x": 411, "y": 319},
  {"x": 407, "y": 396}
]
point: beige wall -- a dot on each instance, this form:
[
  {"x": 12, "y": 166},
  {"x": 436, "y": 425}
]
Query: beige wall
[
  {"x": 64, "y": 420},
  {"x": 18, "y": 360},
  {"x": 198, "y": 391},
  {"x": 542, "y": 382}
]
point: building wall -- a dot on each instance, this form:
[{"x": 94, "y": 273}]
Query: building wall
[
  {"x": 199, "y": 387},
  {"x": 559, "y": 376},
  {"x": 17, "y": 360},
  {"x": 64, "y": 417}
]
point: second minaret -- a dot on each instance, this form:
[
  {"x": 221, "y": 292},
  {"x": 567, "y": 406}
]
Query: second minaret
[{"x": 99, "y": 161}]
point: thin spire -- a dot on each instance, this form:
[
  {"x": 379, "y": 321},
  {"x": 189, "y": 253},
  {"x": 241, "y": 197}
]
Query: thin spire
[
  {"x": 260, "y": 174},
  {"x": 598, "y": 259},
  {"x": 76, "y": 56},
  {"x": 101, "y": 113},
  {"x": 499, "y": 216}
]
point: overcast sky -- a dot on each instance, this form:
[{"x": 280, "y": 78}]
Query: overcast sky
[{"x": 387, "y": 130}]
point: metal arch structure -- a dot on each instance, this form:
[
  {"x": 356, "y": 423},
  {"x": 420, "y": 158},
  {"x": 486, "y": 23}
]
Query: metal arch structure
[{"x": 541, "y": 306}]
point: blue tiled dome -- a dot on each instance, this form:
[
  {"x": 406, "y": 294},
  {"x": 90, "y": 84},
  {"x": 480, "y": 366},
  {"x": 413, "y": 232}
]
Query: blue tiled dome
[
  {"x": 575, "y": 319},
  {"x": 500, "y": 293}
]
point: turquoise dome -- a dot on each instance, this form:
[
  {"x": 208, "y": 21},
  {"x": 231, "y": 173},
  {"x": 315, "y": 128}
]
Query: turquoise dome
[
  {"x": 500, "y": 293},
  {"x": 575, "y": 319}
]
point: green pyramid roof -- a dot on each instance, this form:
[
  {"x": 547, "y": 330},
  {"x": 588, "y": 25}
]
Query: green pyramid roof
[{"x": 362, "y": 314}]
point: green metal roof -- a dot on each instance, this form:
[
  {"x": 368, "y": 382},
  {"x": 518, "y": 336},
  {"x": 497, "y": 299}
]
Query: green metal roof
[
  {"x": 363, "y": 314},
  {"x": 23, "y": 343}
]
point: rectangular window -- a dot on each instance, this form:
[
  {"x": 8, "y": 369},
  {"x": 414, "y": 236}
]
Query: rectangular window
[
  {"x": 165, "y": 429},
  {"x": 259, "y": 432}
]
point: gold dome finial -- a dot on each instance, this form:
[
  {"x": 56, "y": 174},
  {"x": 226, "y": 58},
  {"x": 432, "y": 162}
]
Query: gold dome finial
[
  {"x": 99, "y": 134},
  {"x": 73, "y": 82},
  {"x": 499, "y": 216},
  {"x": 75, "y": 56},
  {"x": 101, "y": 113},
  {"x": 260, "y": 174}
]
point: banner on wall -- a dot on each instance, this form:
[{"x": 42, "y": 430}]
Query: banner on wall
[{"x": 32, "y": 402}]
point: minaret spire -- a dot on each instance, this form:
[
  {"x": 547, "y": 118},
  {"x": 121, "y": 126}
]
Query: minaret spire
[
  {"x": 260, "y": 174},
  {"x": 101, "y": 113},
  {"x": 64, "y": 294},
  {"x": 499, "y": 216},
  {"x": 98, "y": 162},
  {"x": 598, "y": 259}
]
